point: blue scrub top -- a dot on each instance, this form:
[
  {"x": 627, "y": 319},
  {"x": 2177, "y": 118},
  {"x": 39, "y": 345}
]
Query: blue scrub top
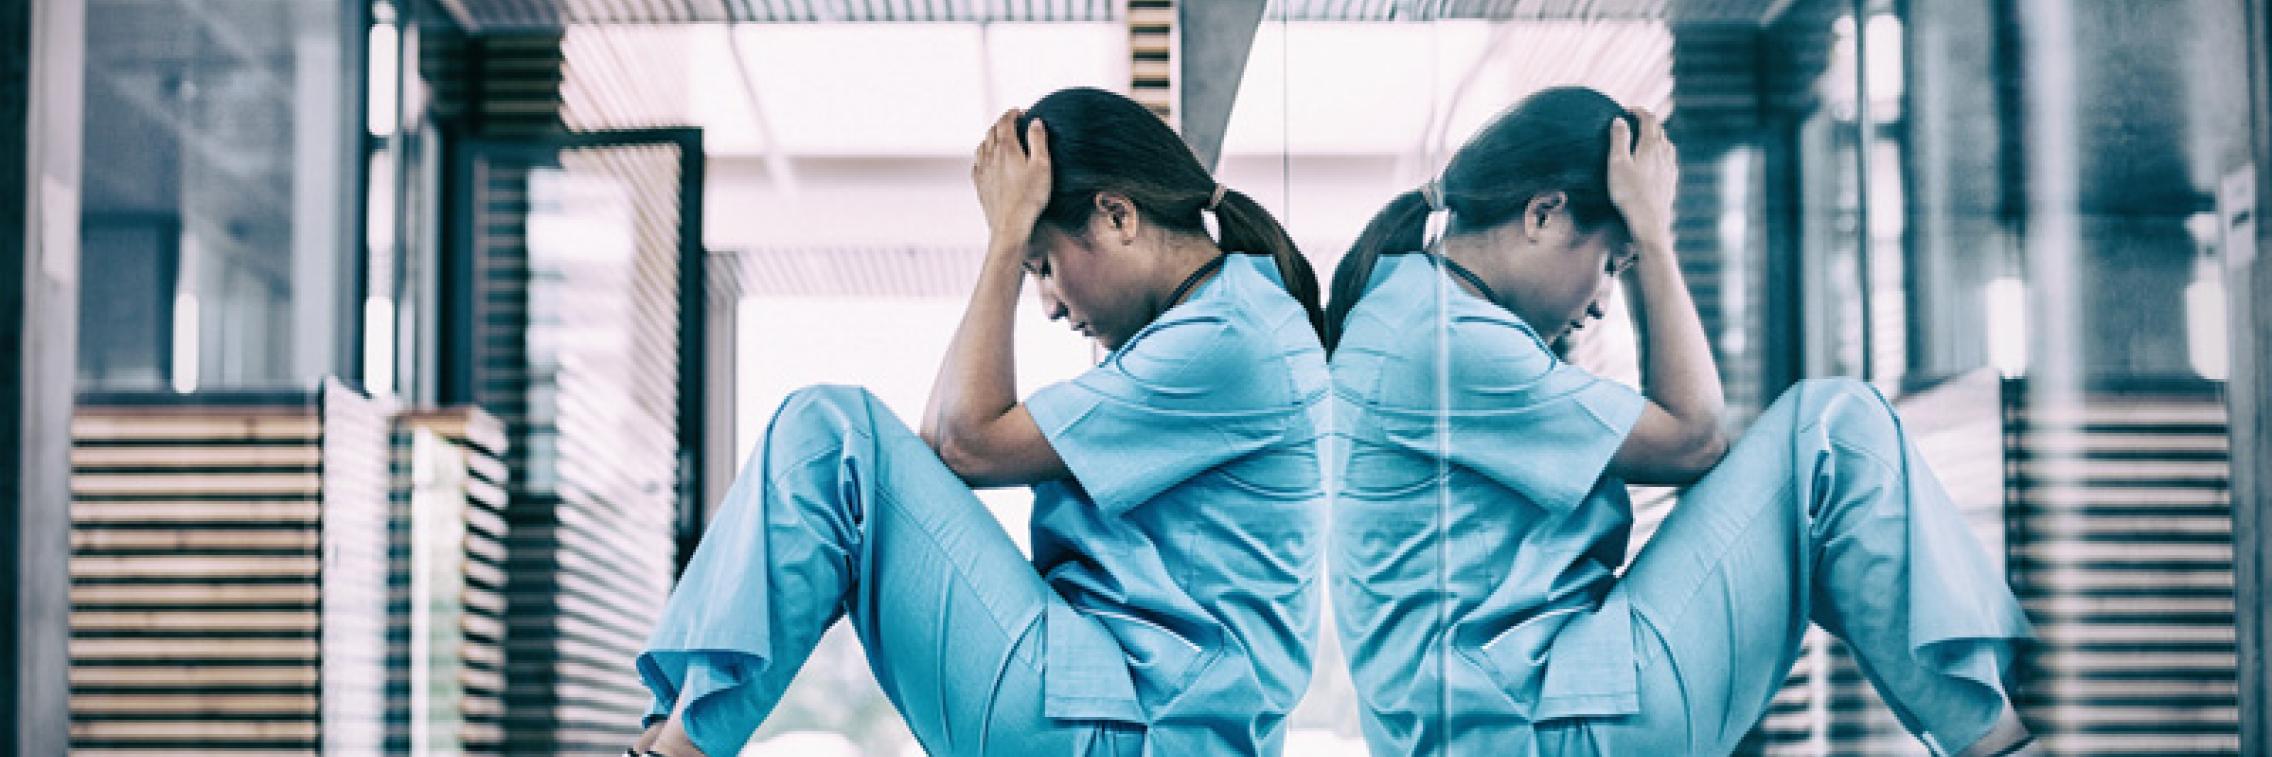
[
  {"x": 1186, "y": 542},
  {"x": 1525, "y": 558}
]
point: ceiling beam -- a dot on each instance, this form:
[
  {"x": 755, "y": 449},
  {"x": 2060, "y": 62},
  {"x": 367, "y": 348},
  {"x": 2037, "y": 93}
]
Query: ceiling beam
[{"x": 1215, "y": 38}]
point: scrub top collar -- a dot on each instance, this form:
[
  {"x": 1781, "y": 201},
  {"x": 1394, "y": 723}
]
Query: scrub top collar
[
  {"x": 1461, "y": 271},
  {"x": 1192, "y": 284},
  {"x": 1208, "y": 267}
]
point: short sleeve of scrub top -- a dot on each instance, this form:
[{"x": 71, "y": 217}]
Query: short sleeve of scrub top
[{"x": 1190, "y": 392}]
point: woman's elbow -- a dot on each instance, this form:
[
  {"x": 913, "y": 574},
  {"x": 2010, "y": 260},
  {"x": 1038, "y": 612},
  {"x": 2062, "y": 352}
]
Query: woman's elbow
[
  {"x": 974, "y": 466},
  {"x": 956, "y": 454},
  {"x": 1704, "y": 452}
]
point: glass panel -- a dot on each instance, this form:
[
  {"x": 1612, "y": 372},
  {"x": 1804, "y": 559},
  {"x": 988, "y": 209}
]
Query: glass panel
[
  {"x": 852, "y": 239},
  {"x": 2005, "y": 216},
  {"x": 216, "y": 139},
  {"x": 1297, "y": 144},
  {"x": 382, "y": 114},
  {"x": 2124, "y": 132},
  {"x": 572, "y": 335}
]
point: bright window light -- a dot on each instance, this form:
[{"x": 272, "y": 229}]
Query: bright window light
[{"x": 2007, "y": 326}]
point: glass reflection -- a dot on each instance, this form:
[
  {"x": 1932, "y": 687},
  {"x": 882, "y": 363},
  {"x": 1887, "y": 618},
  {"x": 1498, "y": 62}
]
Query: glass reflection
[{"x": 218, "y": 137}]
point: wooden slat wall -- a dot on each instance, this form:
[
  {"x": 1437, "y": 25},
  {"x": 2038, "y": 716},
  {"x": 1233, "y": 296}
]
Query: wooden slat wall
[
  {"x": 228, "y": 576},
  {"x": 1151, "y": 56},
  {"x": 453, "y": 459},
  {"x": 2121, "y": 547},
  {"x": 355, "y": 483},
  {"x": 495, "y": 84},
  {"x": 581, "y": 365}
]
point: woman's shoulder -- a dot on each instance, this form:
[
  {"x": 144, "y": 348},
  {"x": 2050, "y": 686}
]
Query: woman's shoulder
[
  {"x": 1255, "y": 296},
  {"x": 1399, "y": 297},
  {"x": 1239, "y": 331}
]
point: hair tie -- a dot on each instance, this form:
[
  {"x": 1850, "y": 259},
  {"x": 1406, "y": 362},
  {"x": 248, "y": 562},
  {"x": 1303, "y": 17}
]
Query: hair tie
[
  {"x": 1432, "y": 192},
  {"x": 1215, "y": 199},
  {"x": 1439, "y": 215}
]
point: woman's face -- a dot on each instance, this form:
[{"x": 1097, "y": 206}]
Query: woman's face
[
  {"x": 1558, "y": 281},
  {"x": 1094, "y": 281}
]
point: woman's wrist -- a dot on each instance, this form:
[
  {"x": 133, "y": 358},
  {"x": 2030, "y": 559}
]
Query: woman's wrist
[
  {"x": 1654, "y": 242},
  {"x": 1008, "y": 244},
  {"x": 1013, "y": 226},
  {"x": 1656, "y": 259}
]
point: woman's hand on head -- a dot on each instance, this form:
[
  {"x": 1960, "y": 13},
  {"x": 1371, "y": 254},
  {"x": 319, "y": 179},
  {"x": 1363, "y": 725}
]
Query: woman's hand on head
[
  {"x": 1012, "y": 180},
  {"x": 1678, "y": 437},
  {"x": 1644, "y": 171}
]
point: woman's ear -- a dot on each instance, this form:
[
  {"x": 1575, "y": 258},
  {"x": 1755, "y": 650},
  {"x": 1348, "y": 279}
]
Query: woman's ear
[
  {"x": 1118, "y": 216},
  {"x": 1539, "y": 214}
]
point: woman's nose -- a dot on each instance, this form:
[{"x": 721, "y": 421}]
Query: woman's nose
[
  {"x": 1050, "y": 305},
  {"x": 1596, "y": 308}
]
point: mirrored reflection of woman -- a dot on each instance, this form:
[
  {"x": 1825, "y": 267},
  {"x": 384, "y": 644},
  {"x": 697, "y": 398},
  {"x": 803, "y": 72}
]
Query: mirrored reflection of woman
[
  {"x": 1172, "y": 591},
  {"x": 1482, "y": 520}
]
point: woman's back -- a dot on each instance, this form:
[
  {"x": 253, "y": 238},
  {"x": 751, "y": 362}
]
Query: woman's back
[
  {"x": 1193, "y": 534},
  {"x": 1472, "y": 500}
]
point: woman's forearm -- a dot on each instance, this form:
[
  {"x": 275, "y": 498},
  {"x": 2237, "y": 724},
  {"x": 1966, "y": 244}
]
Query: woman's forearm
[
  {"x": 1679, "y": 373},
  {"x": 977, "y": 381}
]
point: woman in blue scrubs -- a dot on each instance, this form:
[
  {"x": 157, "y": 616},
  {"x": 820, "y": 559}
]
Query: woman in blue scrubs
[
  {"x": 1172, "y": 594},
  {"x": 1481, "y": 519}
]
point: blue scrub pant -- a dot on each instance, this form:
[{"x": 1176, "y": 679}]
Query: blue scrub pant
[
  {"x": 1822, "y": 511},
  {"x": 842, "y": 510}
]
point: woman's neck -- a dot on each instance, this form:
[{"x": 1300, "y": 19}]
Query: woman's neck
[
  {"x": 1469, "y": 253},
  {"x": 1183, "y": 255}
]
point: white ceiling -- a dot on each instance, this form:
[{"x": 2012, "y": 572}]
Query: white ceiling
[
  {"x": 928, "y": 90},
  {"x": 495, "y": 15}
]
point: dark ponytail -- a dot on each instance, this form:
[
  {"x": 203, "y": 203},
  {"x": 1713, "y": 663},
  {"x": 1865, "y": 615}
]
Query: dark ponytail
[
  {"x": 1246, "y": 226},
  {"x": 1396, "y": 228},
  {"x": 1555, "y": 140},
  {"x": 1103, "y": 142}
]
